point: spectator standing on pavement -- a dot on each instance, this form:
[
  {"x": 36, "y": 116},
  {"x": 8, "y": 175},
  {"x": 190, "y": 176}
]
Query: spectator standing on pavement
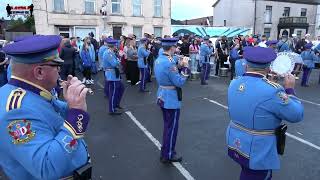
[
  {"x": 68, "y": 54},
  {"x": 86, "y": 64},
  {"x": 194, "y": 50},
  {"x": 95, "y": 44},
  {"x": 222, "y": 50},
  {"x": 132, "y": 55}
]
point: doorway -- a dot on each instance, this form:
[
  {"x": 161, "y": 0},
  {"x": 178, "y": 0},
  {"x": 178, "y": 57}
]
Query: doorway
[{"x": 117, "y": 32}]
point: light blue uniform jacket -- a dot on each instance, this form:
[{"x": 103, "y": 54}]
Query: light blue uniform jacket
[
  {"x": 34, "y": 142},
  {"x": 142, "y": 53},
  {"x": 110, "y": 62},
  {"x": 205, "y": 52},
  {"x": 168, "y": 77},
  {"x": 256, "y": 108}
]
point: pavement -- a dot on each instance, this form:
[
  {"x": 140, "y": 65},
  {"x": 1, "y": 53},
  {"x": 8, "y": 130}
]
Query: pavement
[{"x": 126, "y": 147}]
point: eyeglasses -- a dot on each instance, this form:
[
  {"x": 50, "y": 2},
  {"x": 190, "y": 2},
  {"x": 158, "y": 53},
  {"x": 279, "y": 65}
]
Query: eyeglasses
[
  {"x": 58, "y": 66},
  {"x": 52, "y": 65}
]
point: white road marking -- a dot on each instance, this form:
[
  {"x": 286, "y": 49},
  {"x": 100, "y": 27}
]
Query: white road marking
[
  {"x": 300, "y": 133},
  {"x": 100, "y": 85},
  {"x": 178, "y": 165},
  {"x": 288, "y": 134},
  {"x": 310, "y": 102}
]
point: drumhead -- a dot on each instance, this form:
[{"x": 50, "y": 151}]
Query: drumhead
[{"x": 283, "y": 64}]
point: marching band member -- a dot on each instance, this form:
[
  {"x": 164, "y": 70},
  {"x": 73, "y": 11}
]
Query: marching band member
[
  {"x": 112, "y": 74},
  {"x": 143, "y": 65},
  {"x": 254, "y": 135},
  {"x": 41, "y": 136},
  {"x": 169, "y": 97},
  {"x": 309, "y": 58},
  {"x": 206, "y": 50}
]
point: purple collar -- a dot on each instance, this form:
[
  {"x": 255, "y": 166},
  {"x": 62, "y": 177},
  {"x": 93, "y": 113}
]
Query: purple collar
[
  {"x": 254, "y": 74},
  {"x": 27, "y": 85}
]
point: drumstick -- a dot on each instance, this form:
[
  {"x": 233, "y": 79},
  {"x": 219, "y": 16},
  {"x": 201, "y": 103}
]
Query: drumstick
[{"x": 62, "y": 81}]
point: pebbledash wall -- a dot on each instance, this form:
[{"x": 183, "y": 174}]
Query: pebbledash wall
[{"x": 80, "y": 17}]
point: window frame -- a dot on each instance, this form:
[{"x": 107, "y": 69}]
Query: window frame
[
  {"x": 118, "y": 2},
  {"x": 268, "y": 33},
  {"x": 286, "y": 11},
  {"x": 133, "y": 7},
  {"x": 305, "y": 12},
  {"x": 268, "y": 9},
  {"x": 94, "y": 6},
  {"x": 59, "y": 10},
  {"x": 154, "y": 31},
  {"x": 155, "y": 6},
  {"x": 137, "y": 26}
]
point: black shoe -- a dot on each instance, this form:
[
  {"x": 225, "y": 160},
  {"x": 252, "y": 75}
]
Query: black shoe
[
  {"x": 119, "y": 107},
  {"x": 204, "y": 83},
  {"x": 167, "y": 161},
  {"x": 115, "y": 113}
]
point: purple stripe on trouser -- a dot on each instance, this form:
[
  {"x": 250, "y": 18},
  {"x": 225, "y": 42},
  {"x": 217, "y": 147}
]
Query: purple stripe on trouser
[
  {"x": 144, "y": 76},
  {"x": 206, "y": 67},
  {"x": 249, "y": 174},
  {"x": 116, "y": 90},
  {"x": 305, "y": 76},
  {"x": 170, "y": 131}
]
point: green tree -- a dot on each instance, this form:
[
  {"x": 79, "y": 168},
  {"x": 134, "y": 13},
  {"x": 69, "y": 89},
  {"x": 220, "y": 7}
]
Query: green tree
[
  {"x": 29, "y": 22},
  {"x": 14, "y": 23}
]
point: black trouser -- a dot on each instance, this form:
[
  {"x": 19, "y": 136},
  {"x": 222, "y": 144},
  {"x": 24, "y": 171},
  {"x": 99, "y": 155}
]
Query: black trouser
[
  {"x": 87, "y": 73},
  {"x": 133, "y": 72},
  {"x": 66, "y": 69},
  {"x": 233, "y": 63},
  {"x": 220, "y": 63}
]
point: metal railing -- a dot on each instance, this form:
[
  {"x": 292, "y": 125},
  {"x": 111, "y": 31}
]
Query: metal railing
[{"x": 293, "y": 20}]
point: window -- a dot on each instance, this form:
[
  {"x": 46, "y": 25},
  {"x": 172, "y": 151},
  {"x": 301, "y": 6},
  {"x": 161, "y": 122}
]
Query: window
[
  {"x": 115, "y": 6},
  {"x": 286, "y": 12},
  {"x": 267, "y": 32},
  {"x": 64, "y": 31},
  {"x": 89, "y": 6},
  {"x": 58, "y": 5},
  {"x": 299, "y": 33},
  {"x": 158, "y": 31},
  {"x": 268, "y": 14},
  {"x": 157, "y": 8},
  {"x": 137, "y": 8},
  {"x": 303, "y": 12},
  {"x": 137, "y": 30}
]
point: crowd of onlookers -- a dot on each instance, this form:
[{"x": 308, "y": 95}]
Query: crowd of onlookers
[{"x": 86, "y": 55}]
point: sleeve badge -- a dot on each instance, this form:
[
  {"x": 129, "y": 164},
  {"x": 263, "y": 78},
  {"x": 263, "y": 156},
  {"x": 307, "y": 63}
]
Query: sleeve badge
[
  {"x": 20, "y": 131},
  {"x": 284, "y": 97}
]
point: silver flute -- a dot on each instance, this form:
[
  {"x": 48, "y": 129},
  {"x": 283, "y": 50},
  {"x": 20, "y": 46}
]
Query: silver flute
[{"x": 62, "y": 81}]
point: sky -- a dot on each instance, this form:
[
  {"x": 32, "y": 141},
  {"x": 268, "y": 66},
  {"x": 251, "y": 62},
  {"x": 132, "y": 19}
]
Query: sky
[
  {"x": 3, "y": 4},
  {"x": 181, "y": 9},
  {"x": 189, "y": 9}
]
